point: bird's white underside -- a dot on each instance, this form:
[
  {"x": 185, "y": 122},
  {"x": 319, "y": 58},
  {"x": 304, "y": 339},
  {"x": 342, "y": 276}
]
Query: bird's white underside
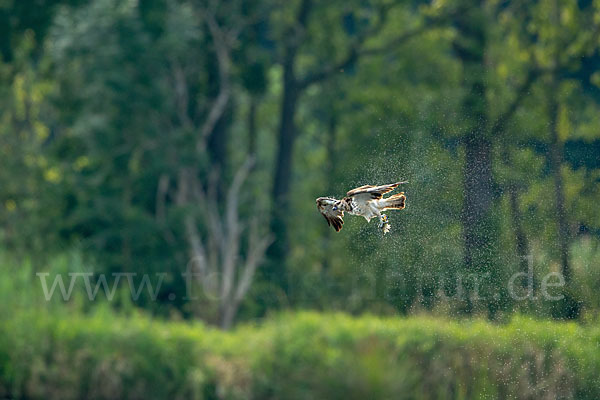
[{"x": 363, "y": 205}]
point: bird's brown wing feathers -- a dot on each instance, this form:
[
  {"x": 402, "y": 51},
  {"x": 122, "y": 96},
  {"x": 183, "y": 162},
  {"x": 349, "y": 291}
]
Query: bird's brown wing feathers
[
  {"x": 376, "y": 192},
  {"x": 336, "y": 221},
  {"x": 333, "y": 217}
]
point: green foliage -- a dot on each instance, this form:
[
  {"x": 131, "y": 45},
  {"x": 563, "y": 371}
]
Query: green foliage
[
  {"x": 296, "y": 356},
  {"x": 104, "y": 100}
]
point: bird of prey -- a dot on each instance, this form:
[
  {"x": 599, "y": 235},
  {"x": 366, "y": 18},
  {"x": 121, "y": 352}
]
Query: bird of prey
[{"x": 366, "y": 201}]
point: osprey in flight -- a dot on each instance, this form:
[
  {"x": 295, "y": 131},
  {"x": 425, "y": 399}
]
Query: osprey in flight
[{"x": 366, "y": 201}]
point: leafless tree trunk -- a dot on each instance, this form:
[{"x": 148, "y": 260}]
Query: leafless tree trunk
[{"x": 217, "y": 257}]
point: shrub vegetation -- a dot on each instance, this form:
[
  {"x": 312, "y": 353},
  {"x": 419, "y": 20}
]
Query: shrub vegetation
[{"x": 296, "y": 356}]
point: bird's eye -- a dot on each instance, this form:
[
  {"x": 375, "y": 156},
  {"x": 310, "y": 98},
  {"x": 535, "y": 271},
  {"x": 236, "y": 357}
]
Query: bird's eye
[{"x": 334, "y": 208}]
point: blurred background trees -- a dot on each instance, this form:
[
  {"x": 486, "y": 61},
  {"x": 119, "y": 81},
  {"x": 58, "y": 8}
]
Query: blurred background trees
[{"x": 162, "y": 135}]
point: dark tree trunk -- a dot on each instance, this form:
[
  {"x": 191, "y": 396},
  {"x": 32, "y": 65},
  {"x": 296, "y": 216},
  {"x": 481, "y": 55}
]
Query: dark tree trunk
[
  {"x": 555, "y": 159},
  {"x": 276, "y": 270},
  {"x": 478, "y": 219},
  {"x": 478, "y": 199},
  {"x": 277, "y": 253},
  {"x": 287, "y": 137}
]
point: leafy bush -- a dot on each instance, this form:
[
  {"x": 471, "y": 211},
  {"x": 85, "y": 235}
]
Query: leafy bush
[{"x": 295, "y": 356}]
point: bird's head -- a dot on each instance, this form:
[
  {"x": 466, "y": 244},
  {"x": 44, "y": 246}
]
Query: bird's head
[{"x": 323, "y": 202}]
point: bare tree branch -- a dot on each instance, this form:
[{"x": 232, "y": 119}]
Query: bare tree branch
[
  {"x": 220, "y": 41},
  {"x": 197, "y": 248},
  {"x": 231, "y": 251},
  {"x": 257, "y": 248}
]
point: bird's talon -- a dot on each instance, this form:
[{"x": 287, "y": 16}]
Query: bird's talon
[
  {"x": 385, "y": 228},
  {"x": 383, "y": 220}
]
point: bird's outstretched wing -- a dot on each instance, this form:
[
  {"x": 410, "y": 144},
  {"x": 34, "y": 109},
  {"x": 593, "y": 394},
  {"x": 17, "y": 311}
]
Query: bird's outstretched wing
[
  {"x": 376, "y": 192},
  {"x": 333, "y": 215}
]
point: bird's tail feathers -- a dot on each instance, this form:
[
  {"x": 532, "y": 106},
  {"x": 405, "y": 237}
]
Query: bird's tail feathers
[{"x": 394, "y": 202}]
